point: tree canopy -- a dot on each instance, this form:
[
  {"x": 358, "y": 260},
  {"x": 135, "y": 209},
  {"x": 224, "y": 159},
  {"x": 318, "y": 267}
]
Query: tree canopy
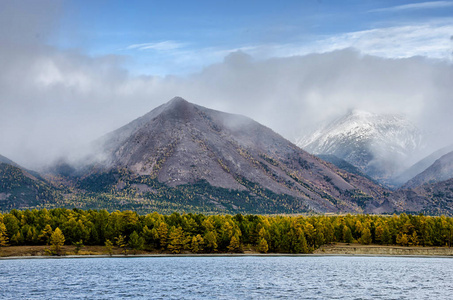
[{"x": 197, "y": 233}]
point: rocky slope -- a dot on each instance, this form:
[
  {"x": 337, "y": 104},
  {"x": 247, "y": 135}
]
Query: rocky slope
[
  {"x": 379, "y": 145},
  {"x": 431, "y": 198},
  {"x": 342, "y": 164},
  {"x": 182, "y": 144}
]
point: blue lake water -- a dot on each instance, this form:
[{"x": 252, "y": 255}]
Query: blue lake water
[{"x": 307, "y": 277}]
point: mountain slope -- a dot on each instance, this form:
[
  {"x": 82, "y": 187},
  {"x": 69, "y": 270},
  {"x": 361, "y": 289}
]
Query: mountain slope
[
  {"x": 342, "y": 164},
  {"x": 180, "y": 144},
  {"x": 377, "y": 144},
  {"x": 8, "y": 161},
  {"x": 440, "y": 170},
  {"x": 420, "y": 166},
  {"x": 20, "y": 188},
  {"x": 433, "y": 199}
]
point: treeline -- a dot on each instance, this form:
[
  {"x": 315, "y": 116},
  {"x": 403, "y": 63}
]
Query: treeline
[{"x": 199, "y": 233}]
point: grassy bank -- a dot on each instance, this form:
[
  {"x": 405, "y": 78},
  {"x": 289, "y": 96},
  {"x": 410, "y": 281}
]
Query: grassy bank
[
  {"x": 358, "y": 249},
  {"x": 333, "y": 249}
]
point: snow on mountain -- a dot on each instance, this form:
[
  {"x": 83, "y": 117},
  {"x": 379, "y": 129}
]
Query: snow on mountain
[{"x": 378, "y": 144}]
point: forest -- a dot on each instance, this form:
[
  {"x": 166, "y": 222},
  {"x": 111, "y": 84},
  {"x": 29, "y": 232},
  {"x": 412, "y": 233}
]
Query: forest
[{"x": 198, "y": 233}]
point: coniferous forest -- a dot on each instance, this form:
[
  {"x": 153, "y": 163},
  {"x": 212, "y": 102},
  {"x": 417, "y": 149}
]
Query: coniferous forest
[{"x": 197, "y": 233}]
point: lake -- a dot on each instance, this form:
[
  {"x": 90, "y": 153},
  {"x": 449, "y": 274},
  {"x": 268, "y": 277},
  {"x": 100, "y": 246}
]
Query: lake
[{"x": 246, "y": 277}]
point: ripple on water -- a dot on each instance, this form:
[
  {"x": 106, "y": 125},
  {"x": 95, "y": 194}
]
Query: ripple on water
[{"x": 228, "y": 278}]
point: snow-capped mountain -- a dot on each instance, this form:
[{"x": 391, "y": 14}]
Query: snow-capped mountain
[{"x": 380, "y": 145}]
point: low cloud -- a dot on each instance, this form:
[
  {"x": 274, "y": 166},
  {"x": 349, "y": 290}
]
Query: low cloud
[{"x": 53, "y": 102}]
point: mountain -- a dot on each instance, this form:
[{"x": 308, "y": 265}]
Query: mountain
[
  {"x": 378, "y": 145},
  {"x": 342, "y": 164},
  {"x": 440, "y": 170},
  {"x": 420, "y": 166},
  {"x": 203, "y": 157},
  {"x": 8, "y": 161},
  {"x": 21, "y": 188},
  {"x": 430, "y": 198}
]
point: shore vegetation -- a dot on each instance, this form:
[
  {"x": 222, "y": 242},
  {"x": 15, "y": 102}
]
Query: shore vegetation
[{"x": 127, "y": 231}]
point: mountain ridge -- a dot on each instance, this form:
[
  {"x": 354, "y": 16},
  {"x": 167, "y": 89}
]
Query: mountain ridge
[{"x": 188, "y": 158}]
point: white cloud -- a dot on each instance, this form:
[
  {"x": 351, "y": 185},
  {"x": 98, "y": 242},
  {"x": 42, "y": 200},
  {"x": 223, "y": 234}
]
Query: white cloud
[
  {"x": 159, "y": 46},
  {"x": 428, "y": 39},
  {"x": 413, "y": 6},
  {"x": 432, "y": 40}
]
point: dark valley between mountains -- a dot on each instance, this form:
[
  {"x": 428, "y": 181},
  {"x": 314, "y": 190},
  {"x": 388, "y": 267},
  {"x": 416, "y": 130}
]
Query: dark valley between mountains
[{"x": 188, "y": 158}]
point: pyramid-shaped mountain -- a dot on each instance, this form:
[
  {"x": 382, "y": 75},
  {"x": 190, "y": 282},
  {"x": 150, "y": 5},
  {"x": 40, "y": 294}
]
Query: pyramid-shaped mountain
[{"x": 183, "y": 144}]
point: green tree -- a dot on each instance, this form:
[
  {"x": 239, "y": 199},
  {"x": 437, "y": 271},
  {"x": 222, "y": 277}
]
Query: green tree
[
  {"x": 365, "y": 239},
  {"x": 136, "y": 242},
  {"x": 347, "y": 235},
  {"x": 379, "y": 233},
  {"x": 386, "y": 236},
  {"x": 210, "y": 239}
]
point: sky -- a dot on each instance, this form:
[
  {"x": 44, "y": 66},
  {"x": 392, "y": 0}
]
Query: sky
[{"x": 72, "y": 71}]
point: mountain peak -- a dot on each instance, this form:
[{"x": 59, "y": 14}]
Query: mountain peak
[
  {"x": 380, "y": 145},
  {"x": 360, "y": 113},
  {"x": 177, "y": 101},
  {"x": 178, "y": 108}
]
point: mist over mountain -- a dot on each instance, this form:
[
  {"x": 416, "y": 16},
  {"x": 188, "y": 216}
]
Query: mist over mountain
[
  {"x": 6, "y": 160},
  {"x": 380, "y": 145},
  {"x": 440, "y": 170},
  {"x": 185, "y": 157},
  {"x": 21, "y": 188},
  {"x": 420, "y": 166},
  {"x": 63, "y": 100},
  {"x": 180, "y": 143}
]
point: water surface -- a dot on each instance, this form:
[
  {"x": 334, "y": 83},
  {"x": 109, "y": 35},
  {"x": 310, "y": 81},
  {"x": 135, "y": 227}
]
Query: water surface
[{"x": 324, "y": 277}]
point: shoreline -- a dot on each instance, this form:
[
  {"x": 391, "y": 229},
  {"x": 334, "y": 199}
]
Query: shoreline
[
  {"x": 218, "y": 255},
  {"x": 339, "y": 249}
]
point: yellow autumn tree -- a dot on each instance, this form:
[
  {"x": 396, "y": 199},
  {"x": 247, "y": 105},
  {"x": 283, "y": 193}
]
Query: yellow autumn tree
[
  {"x": 3, "y": 236},
  {"x": 57, "y": 241}
]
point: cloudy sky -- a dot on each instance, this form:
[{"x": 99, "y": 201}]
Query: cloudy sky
[{"x": 72, "y": 71}]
